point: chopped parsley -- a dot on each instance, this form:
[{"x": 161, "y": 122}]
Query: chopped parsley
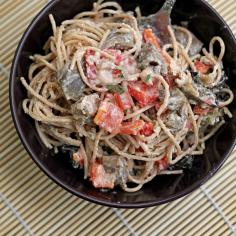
[
  {"x": 148, "y": 78},
  {"x": 115, "y": 88},
  {"x": 121, "y": 75}
]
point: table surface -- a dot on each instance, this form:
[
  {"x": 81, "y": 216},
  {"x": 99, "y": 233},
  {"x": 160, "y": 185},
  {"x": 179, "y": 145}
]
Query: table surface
[{"x": 31, "y": 204}]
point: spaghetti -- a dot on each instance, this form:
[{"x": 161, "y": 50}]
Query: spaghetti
[{"x": 128, "y": 107}]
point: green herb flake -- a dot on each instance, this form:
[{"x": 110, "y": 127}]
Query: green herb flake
[
  {"x": 110, "y": 87},
  {"x": 148, "y": 78},
  {"x": 115, "y": 88},
  {"x": 121, "y": 75},
  {"x": 120, "y": 89}
]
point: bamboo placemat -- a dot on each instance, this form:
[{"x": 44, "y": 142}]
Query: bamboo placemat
[{"x": 31, "y": 204}]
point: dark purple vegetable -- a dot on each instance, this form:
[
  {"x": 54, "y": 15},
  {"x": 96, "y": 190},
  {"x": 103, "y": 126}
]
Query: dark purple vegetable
[
  {"x": 176, "y": 100},
  {"x": 175, "y": 121},
  {"x": 71, "y": 83},
  {"x": 149, "y": 56},
  {"x": 118, "y": 40}
]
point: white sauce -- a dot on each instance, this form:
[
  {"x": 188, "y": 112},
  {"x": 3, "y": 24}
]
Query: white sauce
[{"x": 89, "y": 104}]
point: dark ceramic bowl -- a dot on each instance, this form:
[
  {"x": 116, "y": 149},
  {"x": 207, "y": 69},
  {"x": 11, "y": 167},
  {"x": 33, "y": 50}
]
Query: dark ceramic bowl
[{"x": 205, "y": 22}]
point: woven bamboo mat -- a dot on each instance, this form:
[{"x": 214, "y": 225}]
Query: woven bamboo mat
[{"x": 31, "y": 204}]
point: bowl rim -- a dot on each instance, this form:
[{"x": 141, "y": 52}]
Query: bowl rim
[{"x": 57, "y": 180}]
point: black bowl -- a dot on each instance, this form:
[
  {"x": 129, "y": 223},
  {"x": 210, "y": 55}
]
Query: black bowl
[{"x": 205, "y": 22}]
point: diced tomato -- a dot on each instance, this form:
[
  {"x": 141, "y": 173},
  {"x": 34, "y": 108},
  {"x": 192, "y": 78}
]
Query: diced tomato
[
  {"x": 78, "y": 158},
  {"x": 162, "y": 164},
  {"x": 170, "y": 80},
  {"x": 100, "y": 178},
  {"x": 158, "y": 105},
  {"x": 132, "y": 128},
  {"x": 116, "y": 72},
  {"x": 144, "y": 94},
  {"x": 124, "y": 100},
  {"x": 147, "y": 129},
  {"x": 109, "y": 116},
  {"x": 150, "y": 37},
  {"x": 200, "y": 111},
  {"x": 117, "y": 54},
  {"x": 118, "y": 59},
  {"x": 201, "y": 67},
  {"x": 90, "y": 65}
]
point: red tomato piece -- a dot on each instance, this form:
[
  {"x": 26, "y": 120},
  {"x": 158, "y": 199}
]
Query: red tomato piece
[
  {"x": 117, "y": 54},
  {"x": 158, "y": 105},
  {"x": 132, "y": 128},
  {"x": 200, "y": 111},
  {"x": 116, "y": 72},
  {"x": 90, "y": 65},
  {"x": 201, "y": 67},
  {"x": 109, "y": 116},
  {"x": 170, "y": 80},
  {"x": 147, "y": 129},
  {"x": 118, "y": 59},
  {"x": 144, "y": 94},
  {"x": 162, "y": 164},
  {"x": 100, "y": 178},
  {"x": 124, "y": 100}
]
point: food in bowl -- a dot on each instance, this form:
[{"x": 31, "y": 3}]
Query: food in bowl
[{"x": 126, "y": 106}]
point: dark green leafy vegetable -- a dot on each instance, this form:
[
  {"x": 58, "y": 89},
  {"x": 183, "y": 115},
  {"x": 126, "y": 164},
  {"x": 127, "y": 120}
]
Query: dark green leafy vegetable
[{"x": 118, "y": 40}]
